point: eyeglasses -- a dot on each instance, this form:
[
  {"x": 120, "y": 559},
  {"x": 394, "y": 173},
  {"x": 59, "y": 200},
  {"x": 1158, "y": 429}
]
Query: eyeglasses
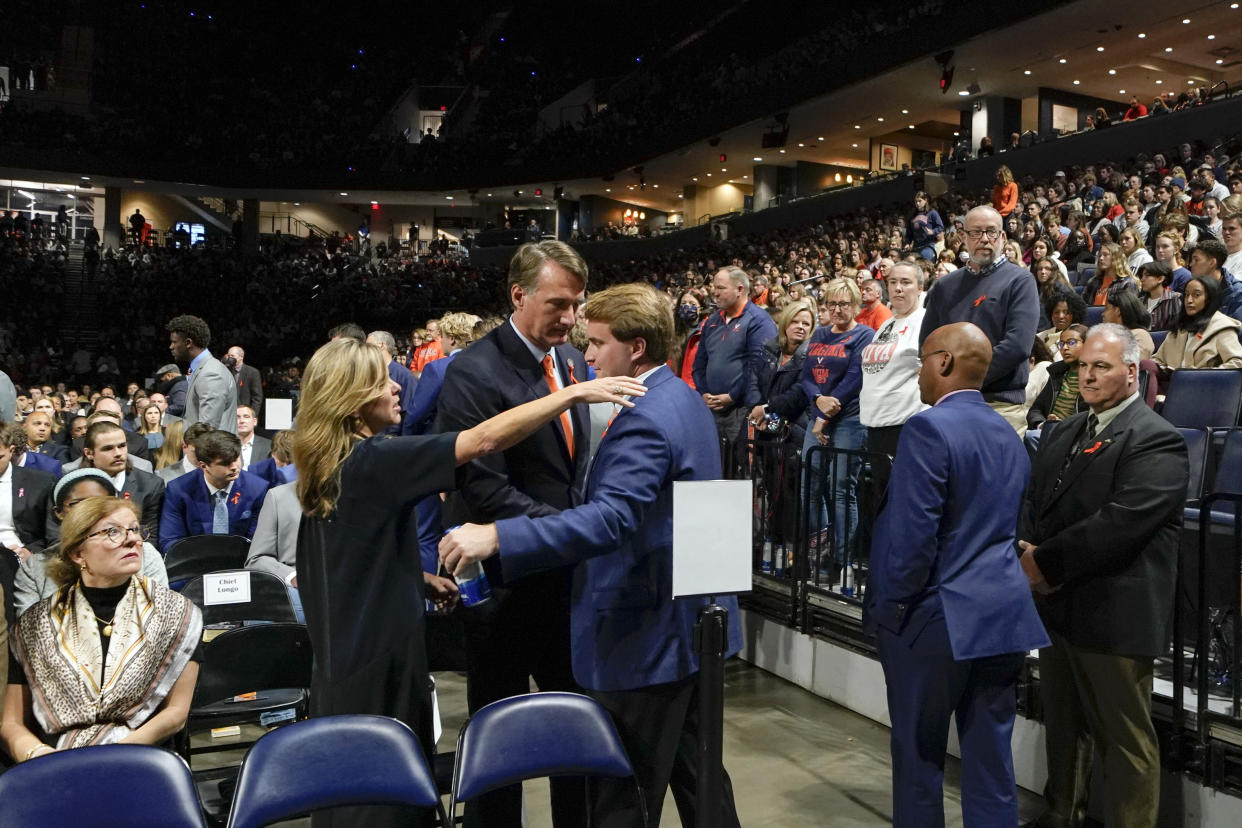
[
  {"x": 923, "y": 357},
  {"x": 1066, "y": 343},
  {"x": 991, "y": 233},
  {"x": 838, "y": 305},
  {"x": 118, "y": 535}
]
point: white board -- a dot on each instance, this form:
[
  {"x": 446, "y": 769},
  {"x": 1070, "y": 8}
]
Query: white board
[
  {"x": 277, "y": 414},
  {"x": 711, "y": 537},
  {"x": 226, "y": 588}
]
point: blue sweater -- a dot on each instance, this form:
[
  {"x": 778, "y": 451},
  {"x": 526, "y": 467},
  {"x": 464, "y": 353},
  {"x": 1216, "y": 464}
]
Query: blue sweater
[
  {"x": 728, "y": 349},
  {"x": 833, "y": 368},
  {"x": 1004, "y": 302}
]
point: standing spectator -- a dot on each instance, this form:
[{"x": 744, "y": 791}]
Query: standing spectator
[
  {"x": 688, "y": 318},
  {"x": 1000, "y": 298},
  {"x": 874, "y": 312},
  {"x": 211, "y": 394},
  {"x": 732, "y": 339},
  {"x": 137, "y": 226},
  {"x": 401, "y": 376},
  {"x": 428, "y": 352},
  {"x": 1100, "y": 529},
  {"x": 1004, "y": 193},
  {"x": 249, "y": 382}
]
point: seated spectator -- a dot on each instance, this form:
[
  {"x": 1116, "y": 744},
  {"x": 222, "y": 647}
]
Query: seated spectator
[
  {"x": 874, "y": 312},
  {"x": 22, "y": 526},
  {"x": 1136, "y": 110},
  {"x": 1060, "y": 399},
  {"x": 1063, "y": 309},
  {"x": 105, "y": 447},
  {"x": 1132, "y": 246},
  {"x": 275, "y": 544},
  {"x": 776, "y": 377},
  {"x": 1040, "y": 362},
  {"x": 1050, "y": 282},
  {"x": 51, "y": 405},
  {"x": 1168, "y": 251},
  {"x": 278, "y": 468},
  {"x": 1203, "y": 337},
  {"x": 1231, "y": 235},
  {"x": 1102, "y": 119},
  {"x": 1110, "y": 269},
  {"x": 27, "y": 459},
  {"x": 254, "y": 447},
  {"x": 1125, "y": 308},
  {"x": 177, "y": 455},
  {"x": 150, "y": 428},
  {"x": 1208, "y": 259},
  {"x": 39, "y": 440},
  {"x": 32, "y": 583},
  {"x": 1163, "y": 304},
  {"x": 103, "y": 608},
  {"x": 219, "y": 499}
]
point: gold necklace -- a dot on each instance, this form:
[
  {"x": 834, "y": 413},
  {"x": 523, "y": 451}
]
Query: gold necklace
[{"x": 107, "y": 628}]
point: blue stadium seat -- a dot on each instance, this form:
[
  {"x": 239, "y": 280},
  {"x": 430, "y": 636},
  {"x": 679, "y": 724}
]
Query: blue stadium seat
[
  {"x": 1095, "y": 315},
  {"x": 1158, "y": 338},
  {"x": 1198, "y": 446},
  {"x": 1228, "y": 478},
  {"x": 1084, "y": 276},
  {"x": 330, "y": 762},
  {"x": 137, "y": 786},
  {"x": 1204, "y": 398},
  {"x": 533, "y": 736}
]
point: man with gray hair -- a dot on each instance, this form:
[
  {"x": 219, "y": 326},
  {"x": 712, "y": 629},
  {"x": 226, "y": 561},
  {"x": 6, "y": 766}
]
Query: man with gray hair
[
  {"x": 731, "y": 340},
  {"x": 399, "y": 374},
  {"x": 999, "y": 297},
  {"x": 1099, "y": 538}
]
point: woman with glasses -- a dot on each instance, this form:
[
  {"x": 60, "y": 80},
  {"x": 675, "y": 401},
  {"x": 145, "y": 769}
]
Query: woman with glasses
[
  {"x": 111, "y": 656},
  {"x": 33, "y": 583},
  {"x": 832, "y": 381},
  {"x": 1060, "y": 398}
]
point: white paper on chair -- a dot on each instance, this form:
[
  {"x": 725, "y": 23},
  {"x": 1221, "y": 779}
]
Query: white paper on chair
[
  {"x": 226, "y": 588},
  {"x": 711, "y": 537},
  {"x": 277, "y": 414}
]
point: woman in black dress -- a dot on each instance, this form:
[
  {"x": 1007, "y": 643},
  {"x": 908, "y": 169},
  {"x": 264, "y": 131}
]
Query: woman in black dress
[{"x": 358, "y": 565}]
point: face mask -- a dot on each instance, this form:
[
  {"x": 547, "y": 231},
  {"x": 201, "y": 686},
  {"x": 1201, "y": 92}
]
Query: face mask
[{"x": 688, "y": 314}]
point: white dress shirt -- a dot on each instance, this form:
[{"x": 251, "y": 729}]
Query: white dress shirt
[{"x": 8, "y": 530}]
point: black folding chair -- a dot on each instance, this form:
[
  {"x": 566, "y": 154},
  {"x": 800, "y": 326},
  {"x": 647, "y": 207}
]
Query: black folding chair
[
  {"x": 269, "y": 600},
  {"x": 199, "y": 554}
]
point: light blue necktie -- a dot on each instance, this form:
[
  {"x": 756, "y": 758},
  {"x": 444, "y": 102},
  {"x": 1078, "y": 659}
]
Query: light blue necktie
[{"x": 220, "y": 515}]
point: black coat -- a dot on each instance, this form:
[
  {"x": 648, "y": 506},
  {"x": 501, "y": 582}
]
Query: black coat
[
  {"x": 1108, "y": 534},
  {"x": 32, "y": 495},
  {"x": 778, "y": 387},
  {"x": 1042, "y": 407}
]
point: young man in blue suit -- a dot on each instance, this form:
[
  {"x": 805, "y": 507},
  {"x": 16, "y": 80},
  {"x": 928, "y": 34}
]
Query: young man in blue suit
[
  {"x": 947, "y": 598},
  {"x": 219, "y": 499},
  {"x": 633, "y": 643}
]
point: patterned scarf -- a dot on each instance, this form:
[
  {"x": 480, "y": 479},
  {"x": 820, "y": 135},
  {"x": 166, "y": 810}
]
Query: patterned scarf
[{"x": 57, "y": 642}]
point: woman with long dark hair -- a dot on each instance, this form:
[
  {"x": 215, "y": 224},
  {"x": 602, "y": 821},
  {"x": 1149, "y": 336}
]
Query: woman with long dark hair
[
  {"x": 688, "y": 320},
  {"x": 1203, "y": 337}
]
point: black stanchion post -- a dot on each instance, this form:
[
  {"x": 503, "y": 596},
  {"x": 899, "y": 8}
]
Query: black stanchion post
[{"x": 711, "y": 637}]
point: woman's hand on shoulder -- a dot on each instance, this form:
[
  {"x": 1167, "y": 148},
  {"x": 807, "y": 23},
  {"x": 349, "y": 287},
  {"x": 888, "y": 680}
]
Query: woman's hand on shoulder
[{"x": 609, "y": 389}]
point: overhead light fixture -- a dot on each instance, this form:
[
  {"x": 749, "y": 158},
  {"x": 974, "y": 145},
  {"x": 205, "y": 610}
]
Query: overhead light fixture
[
  {"x": 1076, "y": 83},
  {"x": 881, "y": 120},
  {"x": 722, "y": 169},
  {"x": 849, "y": 179},
  {"x": 1026, "y": 71},
  {"x": 344, "y": 194},
  {"x": 1142, "y": 35},
  {"x": 26, "y": 194},
  {"x": 1211, "y": 37},
  {"x": 963, "y": 93},
  {"x": 694, "y": 178},
  {"x": 1219, "y": 61},
  {"x": 373, "y": 203},
  {"x": 837, "y": 177},
  {"x": 821, "y": 138},
  {"x": 642, "y": 215},
  {"x": 1158, "y": 82},
  {"x": 1121, "y": 91},
  {"x": 1062, "y": 60},
  {"x": 627, "y": 212},
  {"x": 756, "y": 158},
  {"x": 709, "y": 175},
  {"x": 911, "y": 126},
  {"x": 802, "y": 145},
  {"x": 1112, "y": 71},
  {"x": 782, "y": 152},
  {"x": 86, "y": 178},
  {"x": 450, "y": 198},
  {"x": 608, "y": 189},
  {"x": 857, "y": 126},
  {"x": 1185, "y": 21},
  {"x": 855, "y": 146},
  {"x": 1168, "y": 48},
  {"x": 905, "y": 112},
  {"x": 1099, "y": 48}
]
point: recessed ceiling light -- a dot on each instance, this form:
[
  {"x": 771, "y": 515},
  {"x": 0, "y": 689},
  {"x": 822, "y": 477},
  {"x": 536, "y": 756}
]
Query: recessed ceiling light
[
  {"x": 855, "y": 146},
  {"x": 1142, "y": 35},
  {"x": 857, "y": 126},
  {"x": 1168, "y": 48},
  {"x": 1062, "y": 60},
  {"x": 782, "y": 152},
  {"x": 709, "y": 175},
  {"x": 802, "y": 145},
  {"x": 1190, "y": 82},
  {"x": 820, "y": 138},
  {"x": 881, "y": 120},
  {"x": 1121, "y": 91},
  {"x": 344, "y": 194},
  {"x": 911, "y": 126},
  {"x": 1186, "y": 21},
  {"x": 608, "y": 189},
  {"x": 1026, "y": 72},
  {"x": 489, "y": 195},
  {"x": 657, "y": 186},
  {"x": 376, "y": 202},
  {"x": 1220, "y": 61},
  {"x": 905, "y": 112},
  {"x": 963, "y": 93},
  {"x": 1211, "y": 37},
  {"x": 450, "y": 198},
  {"x": 746, "y": 176},
  {"x": 86, "y": 178},
  {"x": 1075, "y": 83},
  {"x": 722, "y": 169},
  {"x": 1099, "y": 48},
  {"x": 1112, "y": 71},
  {"x": 756, "y": 158},
  {"x": 956, "y": 134},
  {"x": 1159, "y": 82},
  {"x": 695, "y": 178}
]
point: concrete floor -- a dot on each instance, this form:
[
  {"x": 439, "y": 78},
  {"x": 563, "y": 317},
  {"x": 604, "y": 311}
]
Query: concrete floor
[{"x": 794, "y": 758}]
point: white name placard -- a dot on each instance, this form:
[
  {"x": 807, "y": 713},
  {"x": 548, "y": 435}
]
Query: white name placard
[
  {"x": 226, "y": 588},
  {"x": 277, "y": 414},
  {"x": 711, "y": 537}
]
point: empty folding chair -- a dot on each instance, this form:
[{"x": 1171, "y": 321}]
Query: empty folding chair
[
  {"x": 137, "y": 786},
  {"x": 332, "y": 762},
  {"x": 200, "y": 554},
  {"x": 533, "y": 736},
  {"x": 268, "y": 599}
]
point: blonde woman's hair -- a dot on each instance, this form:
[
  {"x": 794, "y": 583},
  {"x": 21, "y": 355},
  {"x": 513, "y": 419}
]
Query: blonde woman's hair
[
  {"x": 787, "y": 314},
  {"x": 459, "y": 327},
  {"x": 170, "y": 453},
  {"x": 1117, "y": 261},
  {"x": 1005, "y": 173},
  {"x": 847, "y": 286},
  {"x": 342, "y": 377},
  {"x": 78, "y": 523},
  {"x": 282, "y": 445}
]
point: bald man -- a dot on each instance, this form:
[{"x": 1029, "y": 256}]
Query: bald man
[
  {"x": 948, "y": 600},
  {"x": 1000, "y": 297}
]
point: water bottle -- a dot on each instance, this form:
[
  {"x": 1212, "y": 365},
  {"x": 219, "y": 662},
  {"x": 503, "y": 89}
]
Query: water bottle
[
  {"x": 472, "y": 583},
  {"x": 766, "y": 564},
  {"x": 779, "y": 565}
]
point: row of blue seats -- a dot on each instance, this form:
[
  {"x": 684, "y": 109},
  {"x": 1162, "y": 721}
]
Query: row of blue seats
[{"x": 328, "y": 762}]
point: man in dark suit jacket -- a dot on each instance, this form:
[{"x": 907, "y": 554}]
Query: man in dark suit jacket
[
  {"x": 255, "y": 448},
  {"x": 524, "y": 632},
  {"x": 27, "y": 493},
  {"x": 639, "y": 663},
  {"x": 947, "y": 598},
  {"x": 136, "y": 444},
  {"x": 249, "y": 382},
  {"x": 221, "y": 488},
  {"x": 105, "y": 449},
  {"x": 1099, "y": 535}
]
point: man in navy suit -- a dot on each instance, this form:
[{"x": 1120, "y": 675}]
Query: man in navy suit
[
  {"x": 220, "y": 500},
  {"x": 947, "y": 598},
  {"x": 633, "y": 642},
  {"x": 524, "y": 632},
  {"x": 24, "y": 498},
  {"x": 399, "y": 374},
  {"x": 456, "y": 332}
]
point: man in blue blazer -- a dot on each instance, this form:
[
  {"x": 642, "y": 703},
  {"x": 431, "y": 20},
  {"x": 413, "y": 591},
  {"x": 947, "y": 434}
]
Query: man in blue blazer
[
  {"x": 220, "y": 499},
  {"x": 633, "y": 647},
  {"x": 947, "y": 597}
]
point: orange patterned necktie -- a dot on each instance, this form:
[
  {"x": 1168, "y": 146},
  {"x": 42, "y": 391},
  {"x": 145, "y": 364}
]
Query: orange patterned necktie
[{"x": 566, "y": 426}]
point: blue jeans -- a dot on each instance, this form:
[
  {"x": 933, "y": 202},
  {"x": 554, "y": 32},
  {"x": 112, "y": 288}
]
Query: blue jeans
[{"x": 847, "y": 433}]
